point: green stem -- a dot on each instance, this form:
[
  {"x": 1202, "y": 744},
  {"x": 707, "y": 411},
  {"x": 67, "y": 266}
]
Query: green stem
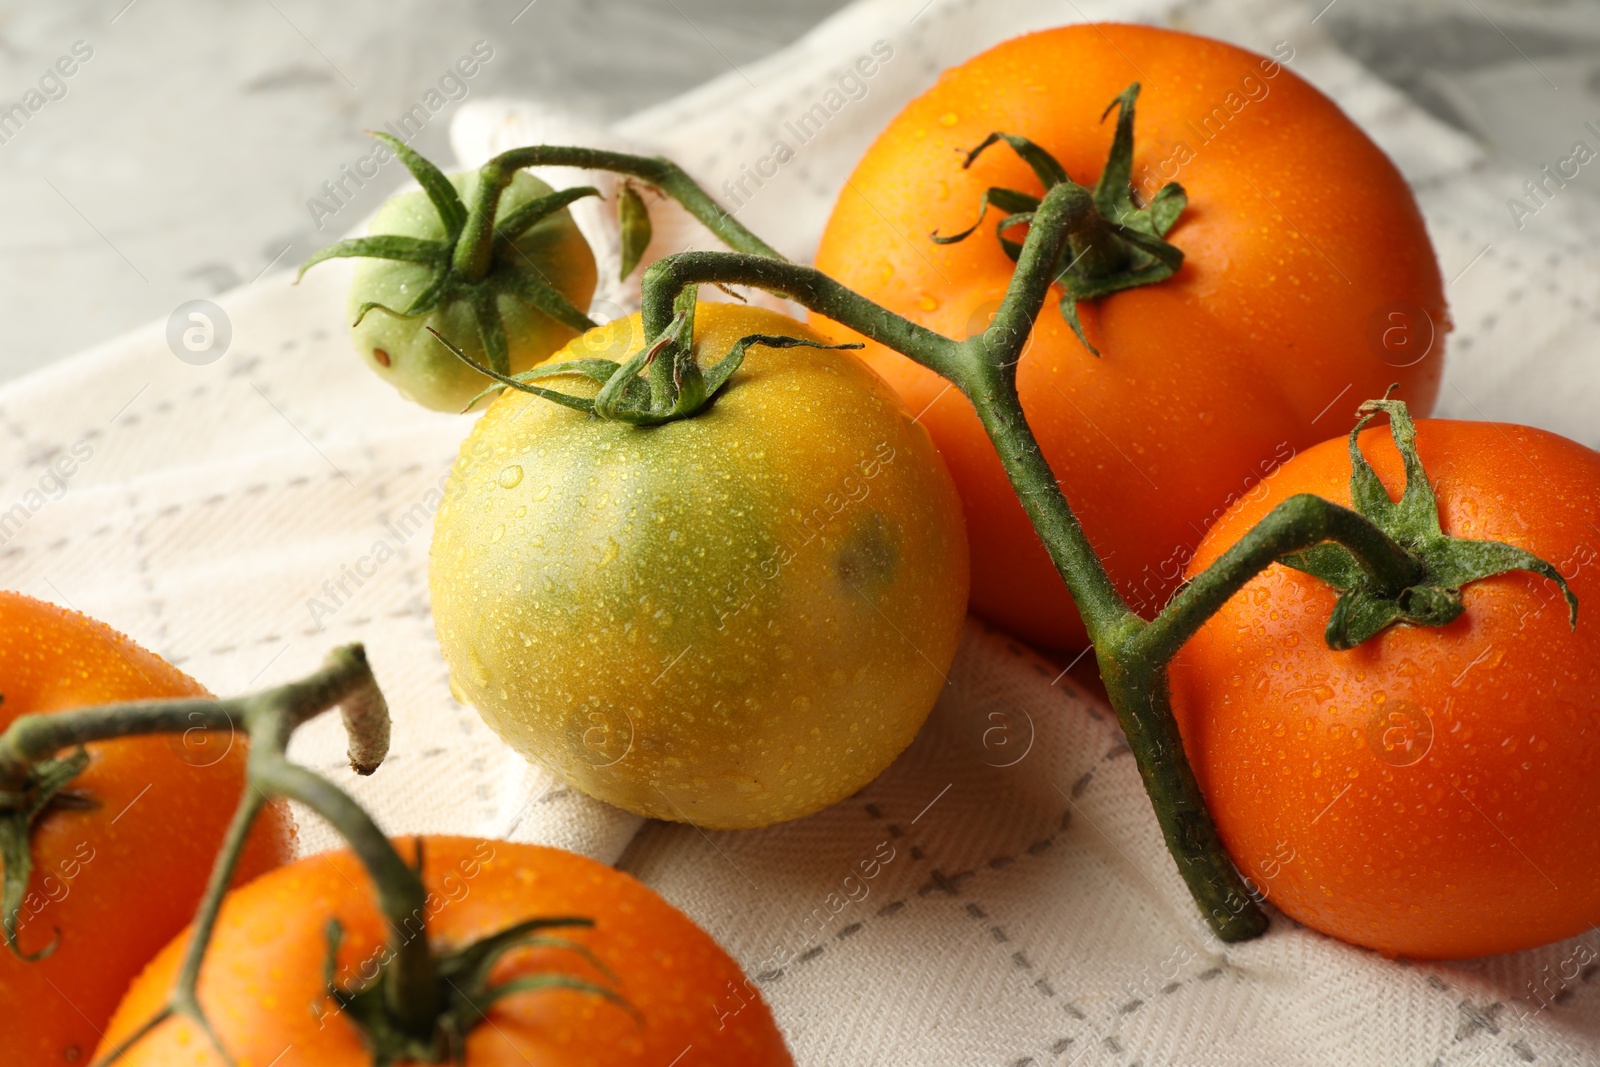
[
  {"x": 984, "y": 368},
  {"x": 473, "y": 251},
  {"x": 269, "y": 718},
  {"x": 1142, "y": 699},
  {"x": 1296, "y": 524},
  {"x": 32, "y": 739},
  {"x": 991, "y": 385},
  {"x": 345, "y": 677},
  {"x": 669, "y": 276},
  {"x": 413, "y": 992},
  {"x": 1105, "y": 613},
  {"x": 185, "y": 996}
]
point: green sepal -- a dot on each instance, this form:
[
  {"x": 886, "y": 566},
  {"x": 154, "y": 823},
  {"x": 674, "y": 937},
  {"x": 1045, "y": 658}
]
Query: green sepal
[
  {"x": 374, "y": 305},
  {"x": 611, "y": 402},
  {"x": 1449, "y": 563},
  {"x": 46, "y": 787},
  {"x": 1068, "y": 306},
  {"x": 470, "y": 967},
  {"x": 1045, "y": 166},
  {"x": 446, "y": 201},
  {"x": 1128, "y": 239},
  {"x": 693, "y": 389},
  {"x": 540, "y": 295},
  {"x": 634, "y": 220},
  {"x": 520, "y": 381},
  {"x": 1012, "y": 247},
  {"x": 719, "y": 373},
  {"x": 365, "y": 1006},
  {"x": 536, "y": 211},
  {"x": 1165, "y": 207},
  {"x": 624, "y": 395},
  {"x": 382, "y": 246},
  {"x": 688, "y": 381},
  {"x": 465, "y": 991},
  {"x": 491, "y": 331},
  {"x": 1020, "y": 207},
  {"x": 1113, "y": 193},
  {"x": 431, "y": 297}
]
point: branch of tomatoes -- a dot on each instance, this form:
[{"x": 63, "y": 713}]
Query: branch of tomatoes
[
  {"x": 1390, "y": 562},
  {"x": 422, "y": 1002},
  {"x": 983, "y": 367}
]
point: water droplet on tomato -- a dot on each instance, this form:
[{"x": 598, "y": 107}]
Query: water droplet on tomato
[
  {"x": 510, "y": 476},
  {"x": 949, "y": 118},
  {"x": 476, "y": 671}
]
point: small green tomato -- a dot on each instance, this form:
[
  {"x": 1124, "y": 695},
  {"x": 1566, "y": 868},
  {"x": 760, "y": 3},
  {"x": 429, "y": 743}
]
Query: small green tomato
[
  {"x": 491, "y": 260},
  {"x": 402, "y": 351}
]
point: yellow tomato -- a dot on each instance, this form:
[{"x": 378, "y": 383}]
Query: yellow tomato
[{"x": 732, "y": 619}]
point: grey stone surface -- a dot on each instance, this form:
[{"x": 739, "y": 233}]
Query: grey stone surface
[
  {"x": 177, "y": 159},
  {"x": 1521, "y": 75}
]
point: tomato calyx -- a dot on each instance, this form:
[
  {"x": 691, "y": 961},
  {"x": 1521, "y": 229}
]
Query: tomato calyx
[
  {"x": 1446, "y": 564},
  {"x": 1119, "y": 245},
  {"x": 44, "y": 790},
  {"x": 677, "y": 387},
  {"x": 474, "y": 264},
  {"x": 465, "y": 991},
  {"x": 477, "y": 261}
]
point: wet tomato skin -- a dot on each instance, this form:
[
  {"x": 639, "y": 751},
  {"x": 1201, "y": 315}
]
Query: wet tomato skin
[
  {"x": 731, "y": 620},
  {"x": 1430, "y": 793},
  {"x": 263, "y": 989},
  {"x": 1301, "y": 239},
  {"x": 115, "y": 881}
]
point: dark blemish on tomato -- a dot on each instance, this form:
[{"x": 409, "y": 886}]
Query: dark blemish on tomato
[
  {"x": 869, "y": 556},
  {"x": 381, "y": 356}
]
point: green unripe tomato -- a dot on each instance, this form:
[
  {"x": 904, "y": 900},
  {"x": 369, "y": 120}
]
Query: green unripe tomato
[
  {"x": 730, "y": 620},
  {"x": 402, "y": 351}
]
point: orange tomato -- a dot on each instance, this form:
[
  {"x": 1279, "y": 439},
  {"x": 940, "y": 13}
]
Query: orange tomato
[
  {"x": 114, "y": 881},
  {"x": 263, "y": 988},
  {"x": 1308, "y": 280},
  {"x": 1430, "y": 793}
]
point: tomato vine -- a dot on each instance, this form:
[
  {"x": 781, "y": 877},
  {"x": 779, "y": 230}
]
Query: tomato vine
[
  {"x": 422, "y": 1000},
  {"x": 1087, "y": 242}
]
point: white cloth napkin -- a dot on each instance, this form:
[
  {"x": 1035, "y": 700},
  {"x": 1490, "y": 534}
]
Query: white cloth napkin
[{"x": 995, "y": 897}]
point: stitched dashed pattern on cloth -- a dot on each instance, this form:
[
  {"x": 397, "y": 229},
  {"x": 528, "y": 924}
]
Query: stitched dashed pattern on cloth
[{"x": 1006, "y": 903}]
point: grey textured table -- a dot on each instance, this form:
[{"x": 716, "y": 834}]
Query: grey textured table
[{"x": 178, "y": 157}]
